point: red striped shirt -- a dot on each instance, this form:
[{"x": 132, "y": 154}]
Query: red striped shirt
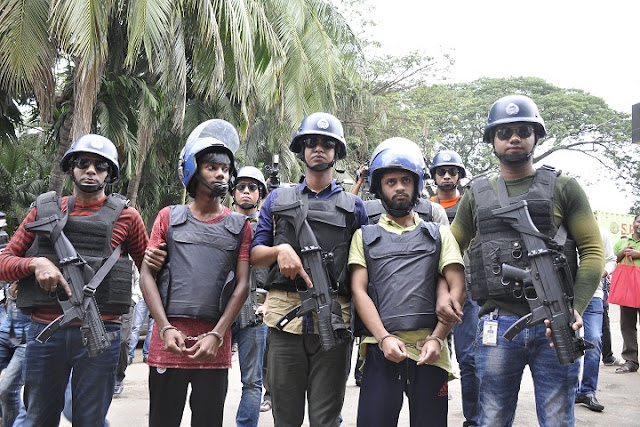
[{"x": 129, "y": 229}]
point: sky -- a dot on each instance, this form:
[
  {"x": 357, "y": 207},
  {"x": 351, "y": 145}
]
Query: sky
[{"x": 587, "y": 45}]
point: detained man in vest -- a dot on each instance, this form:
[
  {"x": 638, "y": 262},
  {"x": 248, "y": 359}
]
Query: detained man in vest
[
  {"x": 199, "y": 291},
  {"x": 97, "y": 226},
  {"x": 248, "y": 330},
  {"x": 395, "y": 266},
  {"x": 447, "y": 170},
  {"x": 555, "y": 202},
  {"x": 298, "y": 368}
]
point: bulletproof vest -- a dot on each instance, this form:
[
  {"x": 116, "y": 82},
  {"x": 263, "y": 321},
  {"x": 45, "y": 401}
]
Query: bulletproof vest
[
  {"x": 333, "y": 223},
  {"x": 403, "y": 271},
  {"x": 257, "y": 278},
  {"x": 497, "y": 242},
  {"x": 375, "y": 209},
  {"x": 91, "y": 237},
  {"x": 198, "y": 277}
]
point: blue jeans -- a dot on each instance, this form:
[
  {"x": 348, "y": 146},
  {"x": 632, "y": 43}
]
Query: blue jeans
[
  {"x": 68, "y": 403},
  {"x": 499, "y": 369},
  {"x": 11, "y": 358},
  {"x": 464, "y": 338},
  {"x": 46, "y": 373},
  {"x": 140, "y": 313},
  {"x": 251, "y": 344},
  {"x": 592, "y": 319}
]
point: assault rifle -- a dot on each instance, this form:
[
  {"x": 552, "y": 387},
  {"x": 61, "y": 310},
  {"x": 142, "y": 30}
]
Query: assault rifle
[
  {"x": 273, "y": 181},
  {"x": 81, "y": 305},
  {"x": 548, "y": 286},
  {"x": 318, "y": 299}
]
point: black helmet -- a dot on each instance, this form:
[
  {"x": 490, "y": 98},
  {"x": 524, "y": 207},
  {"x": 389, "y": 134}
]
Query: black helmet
[
  {"x": 320, "y": 124},
  {"x": 254, "y": 173},
  {"x": 96, "y": 144},
  {"x": 448, "y": 158},
  {"x": 513, "y": 109}
]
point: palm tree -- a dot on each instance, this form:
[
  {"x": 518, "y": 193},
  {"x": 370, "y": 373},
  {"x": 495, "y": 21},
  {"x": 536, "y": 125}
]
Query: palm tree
[{"x": 238, "y": 57}]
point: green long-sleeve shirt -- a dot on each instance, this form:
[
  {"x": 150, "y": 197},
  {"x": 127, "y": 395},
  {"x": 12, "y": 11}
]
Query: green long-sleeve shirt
[{"x": 571, "y": 207}]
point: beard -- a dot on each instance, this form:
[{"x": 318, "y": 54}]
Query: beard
[{"x": 398, "y": 209}]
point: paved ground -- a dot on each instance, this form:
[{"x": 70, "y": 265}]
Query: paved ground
[{"x": 618, "y": 393}]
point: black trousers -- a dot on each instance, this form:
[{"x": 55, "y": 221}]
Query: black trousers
[{"x": 168, "y": 394}]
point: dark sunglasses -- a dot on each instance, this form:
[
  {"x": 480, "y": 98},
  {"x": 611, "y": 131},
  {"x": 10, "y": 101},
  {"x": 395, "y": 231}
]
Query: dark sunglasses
[
  {"x": 252, "y": 186},
  {"x": 523, "y": 132},
  {"x": 100, "y": 165},
  {"x": 444, "y": 171},
  {"x": 312, "y": 142}
]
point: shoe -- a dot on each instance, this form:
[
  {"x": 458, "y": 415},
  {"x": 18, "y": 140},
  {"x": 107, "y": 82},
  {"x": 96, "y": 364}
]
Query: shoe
[
  {"x": 144, "y": 359},
  {"x": 265, "y": 406},
  {"x": 129, "y": 360},
  {"x": 117, "y": 389},
  {"x": 590, "y": 401},
  {"x": 627, "y": 367},
  {"x": 358, "y": 382},
  {"x": 613, "y": 362}
]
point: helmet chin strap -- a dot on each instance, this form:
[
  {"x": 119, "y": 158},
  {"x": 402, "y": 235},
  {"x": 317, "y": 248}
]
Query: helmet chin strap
[
  {"x": 446, "y": 187},
  {"x": 397, "y": 210},
  {"x": 513, "y": 159},
  {"x": 321, "y": 167},
  {"x": 89, "y": 188},
  {"x": 247, "y": 206},
  {"x": 219, "y": 189}
]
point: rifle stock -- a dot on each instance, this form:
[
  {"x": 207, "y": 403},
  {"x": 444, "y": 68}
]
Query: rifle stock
[
  {"x": 544, "y": 290},
  {"x": 81, "y": 305}
]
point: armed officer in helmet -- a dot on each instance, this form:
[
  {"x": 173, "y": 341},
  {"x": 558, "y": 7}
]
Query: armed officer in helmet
[
  {"x": 555, "y": 202},
  {"x": 248, "y": 330},
  {"x": 298, "y": 366},
  {"x": 447, "y": 169},
  {"x": 201, "y": 287},
  {"x": 97, "y": 226}
]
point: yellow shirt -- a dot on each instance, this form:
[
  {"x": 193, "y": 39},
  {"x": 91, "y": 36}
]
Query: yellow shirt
[{"x": 449, "y": 254}]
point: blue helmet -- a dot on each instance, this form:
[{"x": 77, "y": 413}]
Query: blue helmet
[
  {"x": 514, "y": 109},
  {"x": 397, "y": 153},
  {"x": 215, "y": 134}
]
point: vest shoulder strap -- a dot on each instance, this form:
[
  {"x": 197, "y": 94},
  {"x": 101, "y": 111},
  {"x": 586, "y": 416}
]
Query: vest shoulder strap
[
  {"x": 346, "y": 202},
  {"x": 424, "y": 209},
  {"x": 48, "y": 204},
  {"x": 234, "y": 222},
  {"x": 432, "y": 229},
  {"x": 373, "y": 207},
  {"x": 115, "y": 203},
  {"x": 285, "y": 197},
  {"x": 479, "y": 188},
  {"x": 178, "y": 214},
  {"x": 370, "y": 233}
]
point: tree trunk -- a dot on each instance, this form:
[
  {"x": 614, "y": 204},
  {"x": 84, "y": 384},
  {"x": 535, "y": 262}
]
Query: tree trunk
[
  {"x": 56, "y": 178},
  {"x": 86, "y": 83},
  {"x": 134, "y": 183}
]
